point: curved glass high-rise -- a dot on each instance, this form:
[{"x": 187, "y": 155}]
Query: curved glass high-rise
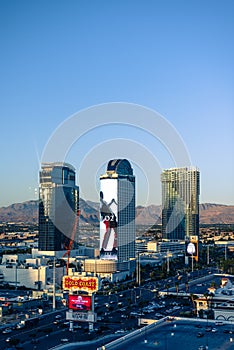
[
  {"x": 117, "y": 211},
  {"x": 58, "y": 207}
]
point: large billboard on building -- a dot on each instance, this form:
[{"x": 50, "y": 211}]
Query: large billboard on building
[
  {"x": 108, "y": 218},
  {"x": 80, "y": 302},
  {"x": 80, "y": 283},
  {"x": 192, "y": 247}
]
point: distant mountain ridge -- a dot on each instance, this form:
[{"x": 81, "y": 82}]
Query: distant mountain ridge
[
  {"x": 210, "y": 213},
  {"x": 20, "y": 212}
]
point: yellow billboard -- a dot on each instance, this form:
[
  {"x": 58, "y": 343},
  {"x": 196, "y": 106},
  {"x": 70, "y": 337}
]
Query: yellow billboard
[{"x": 80, "y": 283}]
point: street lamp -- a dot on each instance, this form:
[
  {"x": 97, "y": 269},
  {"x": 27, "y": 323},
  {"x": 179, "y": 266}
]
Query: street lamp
[
  {"x": 16, "y": 278},
  {"x": 145, "y": 340},
  {"x": 207, "y": 347},
  {"x": 231, "y": 338},
  {"x": 133, "y": 295},
  {"x": 54, "y": 291},
  {"x": 138, "y": 269}
]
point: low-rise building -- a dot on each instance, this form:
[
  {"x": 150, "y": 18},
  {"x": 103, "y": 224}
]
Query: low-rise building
[{"x": 219, "y": 304}]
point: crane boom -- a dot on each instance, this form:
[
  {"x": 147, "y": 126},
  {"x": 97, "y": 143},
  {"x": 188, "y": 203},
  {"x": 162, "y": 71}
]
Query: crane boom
[{"x": 71, "y": 240}]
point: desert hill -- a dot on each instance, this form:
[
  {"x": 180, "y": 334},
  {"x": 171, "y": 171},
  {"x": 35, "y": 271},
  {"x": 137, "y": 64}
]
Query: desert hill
[{"x": 27, "y": 212}]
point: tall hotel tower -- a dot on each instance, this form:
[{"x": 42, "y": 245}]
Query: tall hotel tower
[
  {"x": 180, "y": 203},
  {"x": 117, "y": 209},
  {"x": 58, "y": 206}
]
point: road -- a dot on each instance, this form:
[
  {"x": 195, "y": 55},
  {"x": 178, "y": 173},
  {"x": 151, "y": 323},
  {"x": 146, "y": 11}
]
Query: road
[{"x": 114, "y": 312}]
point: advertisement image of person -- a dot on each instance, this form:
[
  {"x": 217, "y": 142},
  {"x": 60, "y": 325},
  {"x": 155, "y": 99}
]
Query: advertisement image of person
[
  {"x": 108, "y": 217},
  {"x": 79, "y": 302}
]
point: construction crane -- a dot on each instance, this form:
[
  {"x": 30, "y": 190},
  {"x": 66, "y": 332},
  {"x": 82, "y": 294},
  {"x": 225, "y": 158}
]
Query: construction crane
[{"x": 71, "y": 240}]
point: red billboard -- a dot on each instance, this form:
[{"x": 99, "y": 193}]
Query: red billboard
[{"x": 80, "y": 302}]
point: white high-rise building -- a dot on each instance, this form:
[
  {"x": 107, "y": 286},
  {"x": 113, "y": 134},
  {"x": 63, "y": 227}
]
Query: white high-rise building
[{"x": 117, "y": 210}]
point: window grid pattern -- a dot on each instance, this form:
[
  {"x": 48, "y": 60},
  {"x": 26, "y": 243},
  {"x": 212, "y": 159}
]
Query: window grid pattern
[{"x": 180, "y": 202}]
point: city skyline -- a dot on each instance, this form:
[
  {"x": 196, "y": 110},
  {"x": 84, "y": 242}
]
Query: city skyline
[{"x": 172, "y": 57}]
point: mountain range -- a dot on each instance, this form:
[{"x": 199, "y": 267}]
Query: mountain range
[{"x": 27, "y": 212}]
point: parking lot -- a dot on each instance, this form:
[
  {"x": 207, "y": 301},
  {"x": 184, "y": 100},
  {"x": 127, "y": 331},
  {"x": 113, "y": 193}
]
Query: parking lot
[{"x": 181, "y": 335}]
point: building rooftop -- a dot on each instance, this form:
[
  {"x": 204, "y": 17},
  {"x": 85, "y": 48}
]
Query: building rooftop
[
  {"x": 120, "y": 166},
  {"x": 57, "y": 164}
]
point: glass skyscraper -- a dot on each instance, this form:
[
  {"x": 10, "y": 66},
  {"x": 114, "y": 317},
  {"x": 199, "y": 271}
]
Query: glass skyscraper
[
  {"x": 58, "y": 207},
  {"x": 117, "y": 212},
  {"x": 180, "y": 203}
]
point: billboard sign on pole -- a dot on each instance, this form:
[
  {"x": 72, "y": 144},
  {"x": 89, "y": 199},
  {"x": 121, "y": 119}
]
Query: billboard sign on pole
[{"x": 80, "y": 283}]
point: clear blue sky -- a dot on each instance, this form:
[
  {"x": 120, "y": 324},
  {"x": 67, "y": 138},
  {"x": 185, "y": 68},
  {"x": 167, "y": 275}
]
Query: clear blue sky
[{"x": 173, "y": 56}]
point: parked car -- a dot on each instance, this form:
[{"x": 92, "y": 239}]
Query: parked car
[
  {"x": 20, "y": 325},
  {"x": 208, "y": 329},
  {"x": 7, "y": 330},
  {"x": 200, "y": 335},
  {"x": 64, "y": 340},
  {"x": 198, "y": 325}
]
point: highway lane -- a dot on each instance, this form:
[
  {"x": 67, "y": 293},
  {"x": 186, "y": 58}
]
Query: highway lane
[
  {"x": 32, "y": 331},
  {"x": 112, "y": 319}
]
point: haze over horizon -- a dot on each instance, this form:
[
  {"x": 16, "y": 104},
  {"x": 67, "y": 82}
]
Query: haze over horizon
[
  {"x": 91, "y": 201},
  {"x": 174, "y": 58}
]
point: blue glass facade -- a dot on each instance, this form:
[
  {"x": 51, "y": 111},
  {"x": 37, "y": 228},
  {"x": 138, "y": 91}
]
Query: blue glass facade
[
  {"x": 58, "y": 206},
  {"x": 180, "y": 203}
]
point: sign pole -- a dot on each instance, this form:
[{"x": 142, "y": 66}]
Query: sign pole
[
  {"x": 71, "y": 328},
  {"x": 91, "y": 323},
  {"x": 81, "y": 307},
  {"x": 54, "y": 290}
]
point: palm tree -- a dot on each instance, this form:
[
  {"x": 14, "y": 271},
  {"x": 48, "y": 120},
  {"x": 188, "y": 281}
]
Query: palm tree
[
  {"x": 177, "y": 288},
  {"x": 192, "y": 296},
  {"x": 208, "y": 298},
  {"x": 167, "y": 286}
]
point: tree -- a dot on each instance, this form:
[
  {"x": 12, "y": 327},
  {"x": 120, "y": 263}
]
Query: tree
[
  {"x": 193, "y": 298},
  {"x": 167, "y": 286},
  {"x": 177, "y": 287},
  {"x": 209, "y": 297},
  {"x": 201, "y": 313},
  {"x": 227, "y": 266}
]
